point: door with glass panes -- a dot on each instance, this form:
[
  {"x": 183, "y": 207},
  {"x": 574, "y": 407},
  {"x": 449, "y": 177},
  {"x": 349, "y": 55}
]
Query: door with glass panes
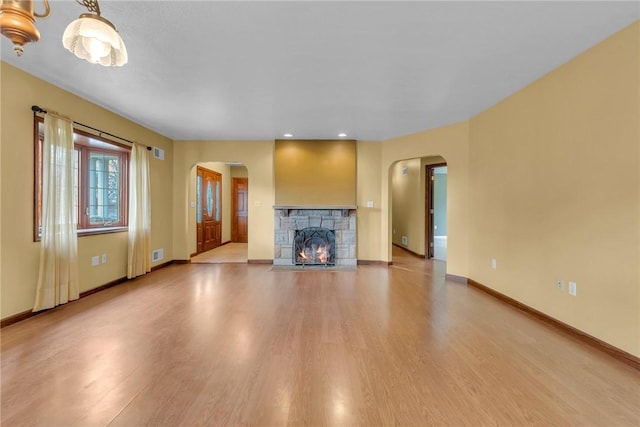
[{"x": 208, "y": 209}]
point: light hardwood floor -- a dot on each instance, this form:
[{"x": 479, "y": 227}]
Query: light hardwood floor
[
  {"x": 231, "y": 252},
  {"x": 237, "y": 344}
]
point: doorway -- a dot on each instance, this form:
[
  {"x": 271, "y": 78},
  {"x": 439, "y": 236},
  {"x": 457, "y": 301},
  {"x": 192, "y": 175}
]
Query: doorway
[
  {"x": 239, "y": 221},
  {"x": 436, "y": 211},
  {"x": 208, "y": 209}
]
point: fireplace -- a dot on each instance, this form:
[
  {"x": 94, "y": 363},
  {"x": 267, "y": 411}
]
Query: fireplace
[
  {"x": 314, "y": 246},
  {"x": 315, "y": 235}
]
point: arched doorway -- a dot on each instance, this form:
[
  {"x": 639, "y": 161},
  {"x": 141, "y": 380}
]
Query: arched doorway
[
  {"x": 218, "y": 197},
  {"x": 418, "y": 198}
]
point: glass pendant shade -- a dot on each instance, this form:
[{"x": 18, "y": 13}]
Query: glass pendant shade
[{"x": 93, "y": 38}]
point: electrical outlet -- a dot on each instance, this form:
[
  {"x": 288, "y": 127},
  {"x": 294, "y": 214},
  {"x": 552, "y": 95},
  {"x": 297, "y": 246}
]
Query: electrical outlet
[
  {"x": 104, "y": 258},
  {"x": 494, "y": 263},
  {"x": 405, "y": 240},
  {"x": 573, "y": 291},
  {"x": 369, "y": 203},
  {"x": 560, "y": 284},
  {"x": 95, "y": 260}
]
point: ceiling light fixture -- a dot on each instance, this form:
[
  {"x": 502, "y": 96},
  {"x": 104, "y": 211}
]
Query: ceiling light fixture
[
  {"x": 17, "y": 22},
  {"x": 342, "y": 134},
  {"x": 95, "y": 39},
  {"x": 288, "y": 135},
  {"x": 89, "y": 37}
]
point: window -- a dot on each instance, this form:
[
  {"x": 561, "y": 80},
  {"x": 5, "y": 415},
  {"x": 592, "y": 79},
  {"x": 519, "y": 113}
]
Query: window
[{"x": 100, "y": 182}]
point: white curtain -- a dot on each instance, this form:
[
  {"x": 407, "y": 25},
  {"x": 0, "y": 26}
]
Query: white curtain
[
  {"x": 139, "y": 261},
  {"x": 58, "y": 275}
]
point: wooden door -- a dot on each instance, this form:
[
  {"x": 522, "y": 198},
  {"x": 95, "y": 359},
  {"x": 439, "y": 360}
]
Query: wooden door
[
  {"x": 240, "y": 220},
  {"x": 208, "y": 209}
]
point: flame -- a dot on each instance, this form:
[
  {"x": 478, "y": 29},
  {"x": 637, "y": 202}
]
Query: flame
[
  {"x": 315, "y": 254},
  {"x": 322, "y": 254}
]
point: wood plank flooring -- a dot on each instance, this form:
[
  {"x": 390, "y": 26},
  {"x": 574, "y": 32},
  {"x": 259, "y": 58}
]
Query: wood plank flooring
[
  {"x": 237, "y": 344},
  {"x": 231, "y": 252}
]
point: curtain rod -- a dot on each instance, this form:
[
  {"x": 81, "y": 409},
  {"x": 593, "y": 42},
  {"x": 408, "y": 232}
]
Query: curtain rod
[{"x": 37, "y": 109}]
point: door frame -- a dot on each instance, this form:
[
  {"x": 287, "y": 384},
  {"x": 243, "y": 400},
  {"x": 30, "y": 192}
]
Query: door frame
[{"x": 429, "y": 209}]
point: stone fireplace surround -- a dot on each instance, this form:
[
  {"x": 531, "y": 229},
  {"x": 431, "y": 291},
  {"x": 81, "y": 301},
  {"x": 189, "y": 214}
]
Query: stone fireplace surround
[{"x": 341, "y": 219}]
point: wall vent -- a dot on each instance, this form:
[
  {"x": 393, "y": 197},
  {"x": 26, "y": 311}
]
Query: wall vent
[
  {"x": 157, "y": 255},
  {"x": 158, "y": 153}
]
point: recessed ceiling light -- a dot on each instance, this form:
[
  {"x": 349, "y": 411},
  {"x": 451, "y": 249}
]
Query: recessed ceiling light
[
  {"x": 288, "y": 135},
  {"x": 342, "y": 134}
]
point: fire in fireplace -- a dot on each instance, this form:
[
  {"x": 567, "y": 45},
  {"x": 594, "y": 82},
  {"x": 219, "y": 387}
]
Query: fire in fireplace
[{"x": 314, "y": 246}]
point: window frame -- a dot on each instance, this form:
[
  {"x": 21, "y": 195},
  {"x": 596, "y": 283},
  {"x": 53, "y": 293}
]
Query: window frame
[{"x": 82, "y": 142}]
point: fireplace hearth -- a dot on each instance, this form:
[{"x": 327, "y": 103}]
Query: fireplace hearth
[{"x": 315, "y": 236}]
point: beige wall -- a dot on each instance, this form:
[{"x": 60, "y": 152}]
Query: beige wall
[
  {"x": 369, "y": 183},
  {"x": 407, "y": 205},
  {"x": 555, "y": 192},
  {"x": 20, "y": 255},
  {"x": 315, "y": 172},
  {"x": 257, "y": 156},
  {"x": 452, "y": 144},
  {"x": 239, "y": 172}
]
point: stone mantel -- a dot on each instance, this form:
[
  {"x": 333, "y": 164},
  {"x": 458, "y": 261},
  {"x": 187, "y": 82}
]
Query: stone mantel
[
  {"x": 316, "y": 207},
  {"x": 339, "y": 219}
]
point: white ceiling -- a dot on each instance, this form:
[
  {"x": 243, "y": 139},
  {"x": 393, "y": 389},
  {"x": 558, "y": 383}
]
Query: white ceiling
[{"x": 375, "y": 70}]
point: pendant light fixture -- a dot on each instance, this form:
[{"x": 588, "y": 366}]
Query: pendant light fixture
[
  {"x": 17, "y": 22},
  {"x": 89, "y": 37},
  {"x": 95, "y": 39}
]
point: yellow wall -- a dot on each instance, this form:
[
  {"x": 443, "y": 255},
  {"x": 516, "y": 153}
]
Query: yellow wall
[
  {"x": 452, "y": 144},
  {"x": 369, "y": 183},
  {"x": 239, "y": 172},
  {"x": 315, "y": 172},
  {"x": 20, "y": 255},
  {"x": 407, "y": 205},
  {"x": 554, "y": 190},
  {"x": 257, "y": 156}
]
